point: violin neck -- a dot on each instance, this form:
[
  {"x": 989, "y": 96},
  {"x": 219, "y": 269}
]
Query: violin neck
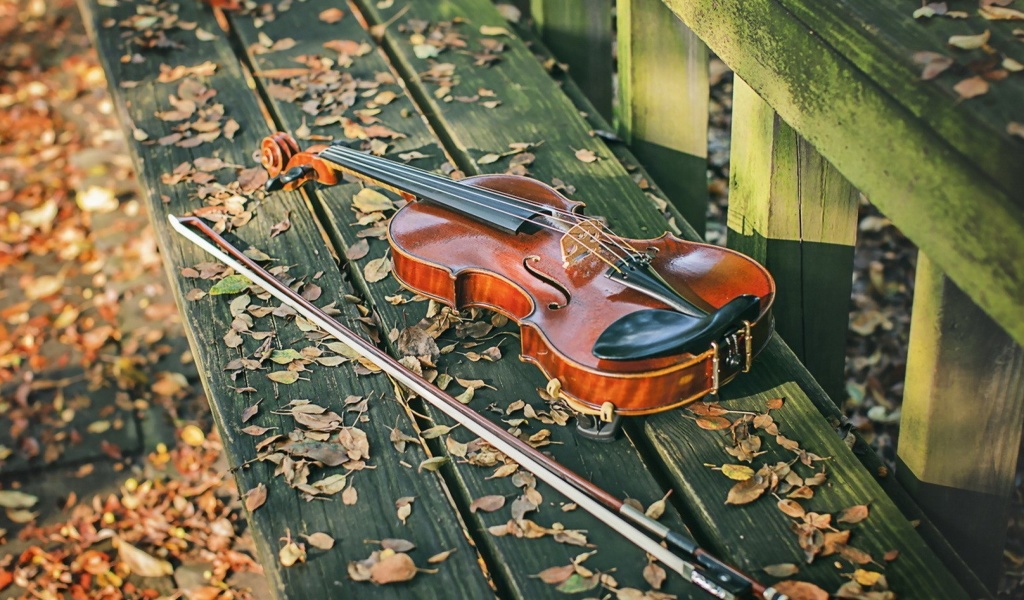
[{"x": 502, "y": 211}]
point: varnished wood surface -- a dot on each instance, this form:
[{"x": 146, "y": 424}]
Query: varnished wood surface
[{"x": 533, "y": 109}]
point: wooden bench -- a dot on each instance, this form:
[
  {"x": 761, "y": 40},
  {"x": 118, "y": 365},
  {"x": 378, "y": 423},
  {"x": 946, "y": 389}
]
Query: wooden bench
[{"x": 498, "y": 94}]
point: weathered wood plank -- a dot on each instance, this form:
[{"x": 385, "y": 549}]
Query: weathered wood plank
[
  {"x": 473, "y": 131},
  {"x": 791, "y": 210},
  {"x": 579, "y": 33},
  {"x": 512, "y": 561},
  {"x": 880, "y": 39},
  {"x": 941, "y": 199},
  {"x": 663, "y": 102},
  {"x": 963, "y": 409},
  {"x": 434, "y": 525}
]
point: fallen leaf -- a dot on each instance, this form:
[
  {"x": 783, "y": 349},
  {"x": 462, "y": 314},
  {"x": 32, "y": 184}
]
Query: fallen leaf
[
  {"x": 320, "y": 540},
  {"x": 737, "y": 472},
  {"x": 853, "y": 514},
  {"x": 866, "y": 578},
  {"x": 285, "y": 377},
  {"x": 585, "y": 155},
  {"x": 970, "y": 42},
  {"x": 141, "y": 563},
  {"x": 998, "y": 13},
  {"x": 432, "y": 464},
  {"x": 487, "y": 503},
  {"x": 492, "y": 30},
  {"x": 393, "y": 569},
  {"x": 654, "y": 575},
  {"x": 16, "y": 499},
  {"x": 713, "y": 423},
  {"x": 292, "y": 553},
  {"x": 556, "y": 575},
  {"x": 331, "y": 15},
  {"x": 1015, "y": 128},
  {"x": 377, "y": 269},
  {"x": 369, "y": 200},
  {"x": 746, "y": 492},
  {"x": 440, "y": 557},
  {"x": 781, "y": 570},
  {"x": 256, "y": 497},
  {"x": 232, "y": 284},
  {"x": 933, "y": 62},
  {"x": 972, "y": 87},
  {"x": 800, "y": 590}
]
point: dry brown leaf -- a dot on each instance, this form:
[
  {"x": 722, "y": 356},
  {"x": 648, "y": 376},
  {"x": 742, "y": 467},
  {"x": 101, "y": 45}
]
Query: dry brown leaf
[
  {"x": 746, "y": 492},
  {"x": 141, "y": 563},
  {"x": 970, "y": 42},
  {"x": 377, "y": 269},
  {"x": 853, "y": 514},
  {"x": 350, "y": 496},
  {"x": 781, "y": 570},
  {"x": 972, "y": 87},
  {"x": 440, "y": 557},
  {"x": 792, "y": 508},
  {"x": 487, "y": 503},
  {"x": 713, "y": 423},
  {"x": 933, "y": 62},
  {"x": 654, "y": 575},
  {"x": 585, "y": 155},
  {"x": 395, "y": 568},
  {"x": 998, "y": 13},
  {"x": 657, "y": 508},
  {"x": 800, "y": 590},
  {"x": 320, "y": 540},
  {"x": 331, "y": 15},
  {"x": 292, "y": 553},
  {"x": 256, "y": 497},
  {"x": 556, "y": 575}
]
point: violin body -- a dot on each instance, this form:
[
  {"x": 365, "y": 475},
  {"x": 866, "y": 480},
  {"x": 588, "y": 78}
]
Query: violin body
[{"x": 567, "y": 304}]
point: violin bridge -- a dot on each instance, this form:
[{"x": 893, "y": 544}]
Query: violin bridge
[{"x": 583, "y": 237}]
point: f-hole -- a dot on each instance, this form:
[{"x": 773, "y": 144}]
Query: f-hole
[{"x": 548, "y": 280}]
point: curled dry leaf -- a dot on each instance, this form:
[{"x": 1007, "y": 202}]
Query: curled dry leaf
[
  {"x": 970, "y": 42},
  {"x": 292, "y": 553},
  {"x": 256, "y": 497},
  {"x": 654, "y": 575},
  {"x": 394, "y": 568},
  {"x": 320, "y": 540},
  {"x": 657, "y": 508},
  {"x": 440, "y": 557},
  {"x": 933, "y": 62}
]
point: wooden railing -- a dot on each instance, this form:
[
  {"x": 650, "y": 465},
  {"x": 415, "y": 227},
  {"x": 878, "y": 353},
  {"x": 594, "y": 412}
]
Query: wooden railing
[{"x": 827, "y": 100}]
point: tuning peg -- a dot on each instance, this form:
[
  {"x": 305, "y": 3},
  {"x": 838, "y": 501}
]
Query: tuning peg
[{"x": 291, "y": 175}]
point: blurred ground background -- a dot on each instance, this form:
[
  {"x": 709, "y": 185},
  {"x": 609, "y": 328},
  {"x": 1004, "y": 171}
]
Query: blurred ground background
[{"x": 107, "y": 447}]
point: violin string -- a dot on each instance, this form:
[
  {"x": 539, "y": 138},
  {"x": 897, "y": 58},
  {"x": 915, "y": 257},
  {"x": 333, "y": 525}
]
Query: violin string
[{"x": 462, "y": 187}]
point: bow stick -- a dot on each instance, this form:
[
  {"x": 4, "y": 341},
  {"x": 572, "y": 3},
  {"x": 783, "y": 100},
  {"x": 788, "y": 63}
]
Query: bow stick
[{"x": 707, "y": 572}]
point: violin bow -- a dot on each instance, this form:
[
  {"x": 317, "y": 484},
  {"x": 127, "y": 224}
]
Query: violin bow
[{"x": 705, "y": 571}]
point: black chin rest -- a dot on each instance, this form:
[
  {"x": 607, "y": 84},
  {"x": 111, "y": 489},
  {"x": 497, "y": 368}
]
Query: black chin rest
[{"x": 654, "y": 332}]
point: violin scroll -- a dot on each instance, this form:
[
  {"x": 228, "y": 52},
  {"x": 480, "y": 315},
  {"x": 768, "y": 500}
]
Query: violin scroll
[{"x": 289, "y": 168}]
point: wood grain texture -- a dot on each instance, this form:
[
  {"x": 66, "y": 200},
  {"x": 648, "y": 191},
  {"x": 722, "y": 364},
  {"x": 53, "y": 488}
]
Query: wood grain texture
[
  {"x": 790, "y": 209},
  {"x": 579, "y": 33},
  {"x": 513, "y": 562},
  {"x": 945, "y": 201},
  {"x": 434, "y": 525},
  {"x": 662, "y": 102},
  {"x": 963, "y": 409}
]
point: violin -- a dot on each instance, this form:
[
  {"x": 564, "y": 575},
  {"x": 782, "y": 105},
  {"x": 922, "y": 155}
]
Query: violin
[{"x": 618, "y": 326}]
